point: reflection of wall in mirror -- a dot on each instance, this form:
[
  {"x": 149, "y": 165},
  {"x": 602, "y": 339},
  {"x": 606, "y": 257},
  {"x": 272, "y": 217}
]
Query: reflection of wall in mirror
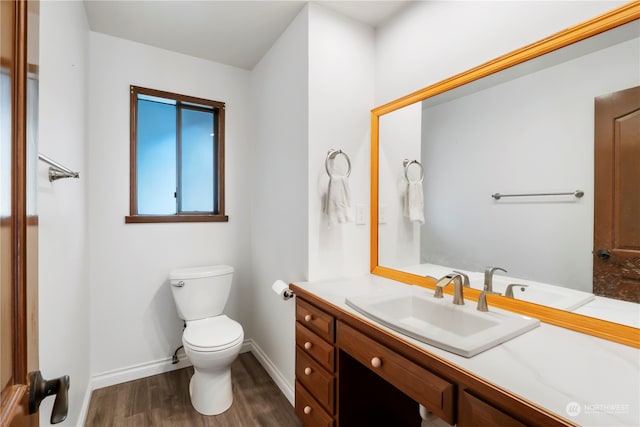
[
  {"x": 532, "y": 134},
  {"x": 399, "y": 135}
]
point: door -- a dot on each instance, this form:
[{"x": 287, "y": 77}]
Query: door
[
  {"x": 616, "y": 250},
  {"x": 18, "y": 230}
]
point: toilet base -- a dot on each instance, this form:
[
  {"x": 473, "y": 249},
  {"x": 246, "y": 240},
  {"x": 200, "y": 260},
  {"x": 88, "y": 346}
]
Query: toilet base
[{"x": 211, "y": 394}]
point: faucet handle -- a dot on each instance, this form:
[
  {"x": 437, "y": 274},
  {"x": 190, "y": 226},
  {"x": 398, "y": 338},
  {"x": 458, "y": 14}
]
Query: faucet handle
[
  {"x": 509, "y": 292},
  {"x": 482, "y": 300},
  {"x": 441, "y": 283},
  {"x": 466, "y": 283}
]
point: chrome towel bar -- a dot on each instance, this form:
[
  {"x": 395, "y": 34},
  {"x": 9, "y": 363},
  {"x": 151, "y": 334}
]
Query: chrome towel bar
[
  {"x": 56, "y": 170},
  {"x": 577, "y": 194},
  {"x": 331, "y": 154}
]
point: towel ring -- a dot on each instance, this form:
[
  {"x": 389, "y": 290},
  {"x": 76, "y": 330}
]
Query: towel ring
[
  {"x": 406, "y": 163},
  {"x": 332, "y": 155}
]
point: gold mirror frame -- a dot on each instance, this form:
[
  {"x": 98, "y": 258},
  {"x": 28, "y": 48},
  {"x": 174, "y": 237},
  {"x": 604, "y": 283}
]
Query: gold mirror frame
[{"x": 596, "y": 327}]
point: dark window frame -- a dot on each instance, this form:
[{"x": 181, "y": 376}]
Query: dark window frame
[{"x": 219, "y": 117}]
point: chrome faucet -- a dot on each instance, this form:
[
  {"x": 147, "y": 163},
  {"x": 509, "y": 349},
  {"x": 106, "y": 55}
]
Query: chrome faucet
[
  {"x": 488, "y": 277},
  {"x": 457, "y": 280},
  {"x": 509, "y": 292},
  {"x": 466, "y": 282}
]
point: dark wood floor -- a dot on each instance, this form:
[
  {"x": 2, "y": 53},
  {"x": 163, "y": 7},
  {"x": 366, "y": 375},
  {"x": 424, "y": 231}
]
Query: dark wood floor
[{"x": 163, "y": 400}]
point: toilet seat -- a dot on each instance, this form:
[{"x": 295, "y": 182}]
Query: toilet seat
[{"x": 212, "y": 334}]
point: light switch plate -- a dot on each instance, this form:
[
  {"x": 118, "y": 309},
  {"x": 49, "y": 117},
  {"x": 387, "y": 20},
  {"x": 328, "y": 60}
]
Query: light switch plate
[
  {"x": 382, "y": 214},
  {"x": 361, "y": 214}
]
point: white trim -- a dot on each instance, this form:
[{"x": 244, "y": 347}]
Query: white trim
[
  {"x": 246, "y": 346},
  {"x": 84, "y": 410},
  {"x": 285, "y": 387},
  {"x": 135, "y": 372},
  {"x": 161, "y": 366}
]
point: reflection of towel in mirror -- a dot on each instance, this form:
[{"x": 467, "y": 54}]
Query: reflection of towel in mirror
[
  {"x": 338, "y": 202},
  {"x": 413, "y": 202}
]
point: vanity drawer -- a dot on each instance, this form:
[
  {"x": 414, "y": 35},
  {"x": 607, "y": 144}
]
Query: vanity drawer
[
  {"x": 316, "y": 347},
  {"x": 309, "y": 410},
  {"x": 315, "y": 379},
  {"x": 315, "y": 319},
  {"x": 476, "y": 413},
  {"x": 435, "y": 393}
]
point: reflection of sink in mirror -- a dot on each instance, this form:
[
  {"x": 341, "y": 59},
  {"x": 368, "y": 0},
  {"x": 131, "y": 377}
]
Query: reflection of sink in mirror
[
  {"x": 433, "y": 270},
  {"x": 460, "y": 329},
  {"x": 536, "y": 292},
  {"x": 613, "y": 310}
]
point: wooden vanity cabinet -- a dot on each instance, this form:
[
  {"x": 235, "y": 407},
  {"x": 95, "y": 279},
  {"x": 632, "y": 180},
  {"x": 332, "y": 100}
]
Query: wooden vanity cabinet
[
  {"x": 418, "y": 383},
  {"x": 346, "y": 367},
  {"x": 476, "y": 413},
  {"x": 315, "y": 366}
]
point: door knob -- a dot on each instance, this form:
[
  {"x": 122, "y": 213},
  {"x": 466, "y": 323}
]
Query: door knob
[
  {"x": 603, "y": 254},
  {"x": 40, "y": 388}
]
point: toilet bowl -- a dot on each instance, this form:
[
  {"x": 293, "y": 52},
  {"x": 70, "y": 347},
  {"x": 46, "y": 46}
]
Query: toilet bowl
[
  {"x": 211, "y": 340},
  {"x": 211, "y": 345}
]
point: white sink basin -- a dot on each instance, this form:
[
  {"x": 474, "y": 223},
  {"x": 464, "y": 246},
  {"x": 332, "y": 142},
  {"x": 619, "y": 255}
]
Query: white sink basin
[{"x": 459, "y": 329}]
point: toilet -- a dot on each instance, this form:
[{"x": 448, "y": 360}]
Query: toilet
[{"x": 211, "y": 340}]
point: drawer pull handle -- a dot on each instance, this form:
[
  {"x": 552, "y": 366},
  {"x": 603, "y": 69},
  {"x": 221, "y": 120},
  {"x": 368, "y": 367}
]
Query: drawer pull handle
[
  {"x": 376, "y": 362},
  {"x": 307, "y": 410},
  {"x": 307, "y": 371},
  {"x": 307, "y": 318},
  {"x": 308, "y": 345}
]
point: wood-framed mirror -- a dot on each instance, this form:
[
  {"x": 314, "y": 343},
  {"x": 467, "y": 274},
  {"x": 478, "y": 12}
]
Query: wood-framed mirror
[{"x": 415, "y": 248}]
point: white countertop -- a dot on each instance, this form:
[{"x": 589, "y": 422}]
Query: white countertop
[{"x": 587, "y": 380}]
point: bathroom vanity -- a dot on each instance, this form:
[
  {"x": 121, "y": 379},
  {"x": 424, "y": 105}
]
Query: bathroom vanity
[{"x": 351, "y": 370}]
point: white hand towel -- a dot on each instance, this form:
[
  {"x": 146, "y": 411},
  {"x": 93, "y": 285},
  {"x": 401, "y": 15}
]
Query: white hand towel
[
  {"x": 414, "y": 203},
  {"x": 338, "y": 203}
]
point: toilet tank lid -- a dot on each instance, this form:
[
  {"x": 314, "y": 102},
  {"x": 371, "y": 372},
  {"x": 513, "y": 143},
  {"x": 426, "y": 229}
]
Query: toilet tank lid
[{"x": 200, "y": 272}]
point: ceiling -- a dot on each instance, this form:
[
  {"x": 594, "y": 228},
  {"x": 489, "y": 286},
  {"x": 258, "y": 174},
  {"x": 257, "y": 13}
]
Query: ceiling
[{"x": 237, "y": 32}]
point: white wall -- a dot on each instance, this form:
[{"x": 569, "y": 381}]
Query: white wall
[
  {"x": 133, "y": 314},
  {"x": 278, "y": 189},
  {"x": 341, "y": 61},
  {"x": 312, "y": 92},
  {"x": 430, "y": 41},
  {"x": 62, "y": 205},
  {"x": 540, "y": 140}
]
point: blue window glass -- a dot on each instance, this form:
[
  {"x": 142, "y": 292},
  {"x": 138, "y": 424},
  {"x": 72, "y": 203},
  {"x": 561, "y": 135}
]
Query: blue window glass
[
  {"x": 156, "y": 158},
  {"x": 177, "y": 146},
  {"x": 197, "y": 179}
]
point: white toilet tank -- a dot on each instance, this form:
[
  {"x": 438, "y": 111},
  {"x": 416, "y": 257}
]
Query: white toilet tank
[{"x": 201, "y": 292}]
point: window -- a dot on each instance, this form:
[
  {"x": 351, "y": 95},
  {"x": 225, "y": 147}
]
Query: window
[{"x": 177, "y": 158}]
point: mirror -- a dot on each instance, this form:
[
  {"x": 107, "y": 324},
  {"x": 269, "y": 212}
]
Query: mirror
[{"x": 511, "y": 129}]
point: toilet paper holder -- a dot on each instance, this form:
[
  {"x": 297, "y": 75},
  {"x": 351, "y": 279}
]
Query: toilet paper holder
[
  {"x": 282, "y": 289},
  {"x": 288, "y": 294}
]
